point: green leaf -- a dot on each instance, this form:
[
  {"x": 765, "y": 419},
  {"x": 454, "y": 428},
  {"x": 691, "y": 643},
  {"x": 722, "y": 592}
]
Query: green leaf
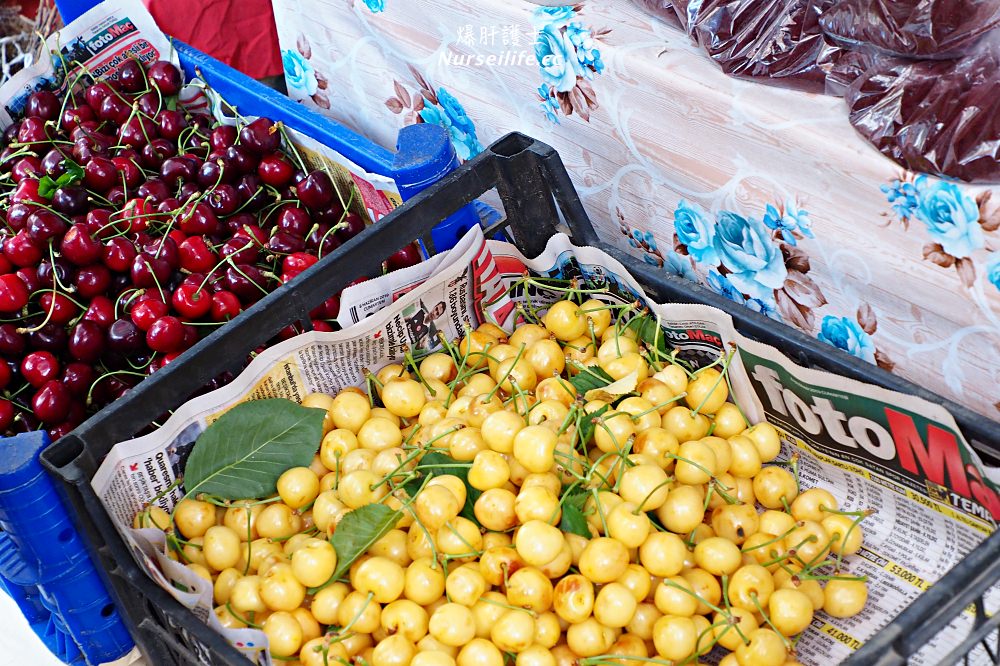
[
  {"x": 72, "y": 176},
  {"x": 648, "y": 331},
  {"x": 590, "y": 378},
  {"x": 242, "y": 454},
  {"x": 573, "y": 520},
  {"x": 172, "y": 103},
  {"x": 47, "y": 187},
  {"x": 438, "y": 463},
  {"x": 355, "y": 534},
  {"x": 587, "y": 425}
]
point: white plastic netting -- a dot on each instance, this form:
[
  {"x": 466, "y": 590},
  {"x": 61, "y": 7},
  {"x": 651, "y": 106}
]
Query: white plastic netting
[{"x": 18, "y": 42}]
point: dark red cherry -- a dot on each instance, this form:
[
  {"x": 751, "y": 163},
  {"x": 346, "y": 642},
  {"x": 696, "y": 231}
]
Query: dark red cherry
[
  {"x": 51, "y": 338},
  {"x": 86, "y": 341},
  {"x": 78, "y": 377},
  {"x": 18, "y": 214},
  {"x": 171, "y": 123},
  {"x": 283, "y": 242},
  {"x": 149, "y": 103},
  {"x": 223, "y": 199},
  {"x": 148, "y": 271},
  {"x": 131, "y": 76},
  {"x": 21, "y": 250},
  {"x": 92, "y": 281},
  {"x": 155, "y": 152},
  {"x": 114, "y": 109},
  {"x": 409, "y": 255},
  {"x": 96, "y": 93},
  {"x": 242, "y": 158},
  {"x": 124, "y": 337},
  {"x": 100, "y": 174},
  {"x": 119, "y": 254},
  {"x": 352, "y": 225},
  {"x": 176, "y": 170},
  {"x": 13, "y": 293},
  {"x": 295, "y": 221},
  {"x": 129, "y": 170},
  {"x": 80, "y": 247},
  {"x": 165, "y": 77},
  {"x": 32, "y": 130},
  {"x": 260, "y": 136},
  {"x": 74, "y": 115},
  {"x": 246, "y": 281},
  {"x": 39, "y": 367},
  {"x": 154, "y": 190},
  {"x": 54, "y": 163},
  {"x": 101, "y": 311},
  {"x": 316, "y": 191},
  {"x": 52, "y": 402},
  {"x": 44, "y": 104},
  {"x": 166, "y": 335},
  {"x": 276, "y": 170},
  {"x": 70, "y": 200}
]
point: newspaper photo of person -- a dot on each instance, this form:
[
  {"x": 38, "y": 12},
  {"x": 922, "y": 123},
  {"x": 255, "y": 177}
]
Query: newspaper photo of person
[
  {"x": 179, "y": 450},
  {"x": 423, "y": 331}
]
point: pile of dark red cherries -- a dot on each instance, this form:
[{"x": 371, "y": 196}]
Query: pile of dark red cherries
[{"x": 134, "y": 228}]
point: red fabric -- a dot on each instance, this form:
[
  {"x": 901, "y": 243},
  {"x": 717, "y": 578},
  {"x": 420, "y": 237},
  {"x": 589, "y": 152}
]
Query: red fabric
[
  {"x": 240, "y": 33},
  {"x": 28, "y": 7}
]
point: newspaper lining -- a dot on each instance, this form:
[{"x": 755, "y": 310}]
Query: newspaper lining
[{"x": 872, "y": 448}]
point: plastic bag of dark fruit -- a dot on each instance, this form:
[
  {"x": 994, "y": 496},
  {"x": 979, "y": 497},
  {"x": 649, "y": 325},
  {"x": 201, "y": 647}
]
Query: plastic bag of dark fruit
[
  {"x": 934, "y": 116},
  {"x": 136, "y": 223},
  {"x": 778, "y": 42},
  {"x": 913, "y": 28}
]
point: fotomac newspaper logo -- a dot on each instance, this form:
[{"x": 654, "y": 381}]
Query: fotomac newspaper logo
[
  {"x": 113, "y": 33},
  {"x": 905, "y": 447}
]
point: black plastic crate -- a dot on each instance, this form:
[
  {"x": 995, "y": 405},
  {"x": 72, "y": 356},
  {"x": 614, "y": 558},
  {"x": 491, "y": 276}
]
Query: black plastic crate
[{"x": 539, "y": 200}]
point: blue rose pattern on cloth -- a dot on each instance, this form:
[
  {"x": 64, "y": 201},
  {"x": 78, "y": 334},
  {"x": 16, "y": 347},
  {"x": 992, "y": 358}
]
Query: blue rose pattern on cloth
[
  {"x": 556, "y": 59},
  {"x": 847, "y": 334},
  {"x": 745, "y": 247},
  {"x": 568, "y": 59},
  {"x": 450, "y": 114},
  {"x": 757, "y": 263},
  {"x": 788, "y": 222},
  {"x": 993, "y": 270},
  {"x": 950, "y": 216},
  {"x": 902, "y": 196},
  {"x": 437, "y": 106},
  {"x": 300, "y": 77},
  {"x": 375, "y": 6},
  {"x": 696, "y": 231},
  {"x": 721, "y": 285},
  {"x": 955, "y": 222}
]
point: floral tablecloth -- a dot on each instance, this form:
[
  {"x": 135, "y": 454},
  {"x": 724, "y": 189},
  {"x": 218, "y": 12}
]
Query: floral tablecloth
[{"x": 764, "y": 195}]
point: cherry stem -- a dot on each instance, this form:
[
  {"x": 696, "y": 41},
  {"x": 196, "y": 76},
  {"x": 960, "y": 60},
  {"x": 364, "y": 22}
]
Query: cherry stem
[
  {"x": 654, "y": 408},
  {"x": 242, "y": 619},
  {"x": 725, "y": 369}
]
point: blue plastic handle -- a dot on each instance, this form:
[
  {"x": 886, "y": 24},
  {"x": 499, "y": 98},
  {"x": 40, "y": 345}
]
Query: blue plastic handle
[
  {"x": 425, "y": 154},
  {"x": 44, "y": 566}
]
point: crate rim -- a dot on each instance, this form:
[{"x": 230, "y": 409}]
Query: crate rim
[{"x": 68, "y": 457}]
